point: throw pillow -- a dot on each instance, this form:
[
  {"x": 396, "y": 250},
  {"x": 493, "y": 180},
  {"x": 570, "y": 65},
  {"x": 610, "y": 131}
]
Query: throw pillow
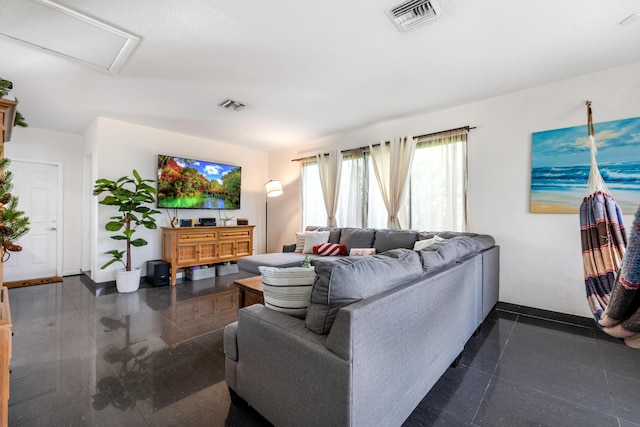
[
  {"x": 422, "y": 244},
  {"x": 287, "y": 290},
  {"x": 330, "y": 249},
  {"x": 362, "y": 252},
  {"x": 314, "y": 238},
  {"x": 300, "y": 238}
]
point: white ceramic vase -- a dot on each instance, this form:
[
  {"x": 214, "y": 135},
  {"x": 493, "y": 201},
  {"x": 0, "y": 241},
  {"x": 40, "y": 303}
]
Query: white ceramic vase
[{"x": 127, "y": 281}]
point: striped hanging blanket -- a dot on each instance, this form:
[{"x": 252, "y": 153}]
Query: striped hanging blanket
[
  {"x": 603, "y": 246},
  {"x": 622, "y": 317}
]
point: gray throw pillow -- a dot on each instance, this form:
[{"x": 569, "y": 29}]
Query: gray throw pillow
[{"x": 344, "y": 281}]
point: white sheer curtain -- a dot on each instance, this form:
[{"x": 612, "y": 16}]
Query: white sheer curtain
[
  {"x": 313, "y": 211},
  {"x": 330, "y": 169},
  {"x": 439, "y": 182},
  {"x": 353, "y": 190},
  {"x": 392, "y": 165}
]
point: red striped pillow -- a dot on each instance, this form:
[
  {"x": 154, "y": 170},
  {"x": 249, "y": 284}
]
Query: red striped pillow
[{"x": 327, "y": 249}]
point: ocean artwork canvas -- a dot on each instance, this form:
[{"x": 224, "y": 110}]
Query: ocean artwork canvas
[{"x": 561, "y": 161}]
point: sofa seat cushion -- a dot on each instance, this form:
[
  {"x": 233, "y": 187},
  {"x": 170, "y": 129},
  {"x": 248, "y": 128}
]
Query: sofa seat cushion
[
  {"x": 250, "y": 264},
  {"x": 344, "y": 281},
  {"x": 386, "y": 240},
  {"x": 287, "y": 289}
]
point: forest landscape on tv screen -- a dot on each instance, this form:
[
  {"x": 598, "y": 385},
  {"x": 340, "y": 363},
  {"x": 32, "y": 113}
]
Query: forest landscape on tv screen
[{"x": 197, "y": 184}]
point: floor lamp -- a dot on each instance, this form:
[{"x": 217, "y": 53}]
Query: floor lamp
[{"x": 273, "y": 189}]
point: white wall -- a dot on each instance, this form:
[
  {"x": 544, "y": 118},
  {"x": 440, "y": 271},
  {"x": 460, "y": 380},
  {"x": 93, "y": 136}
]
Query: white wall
[
  {"x": 114, "y": 148},
  {"x": 45, "y": 145},
  {"x": 541, "y": 264}
]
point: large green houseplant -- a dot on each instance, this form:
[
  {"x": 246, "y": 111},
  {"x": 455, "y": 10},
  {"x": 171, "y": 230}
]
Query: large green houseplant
[{"x": 129, "y": 195}]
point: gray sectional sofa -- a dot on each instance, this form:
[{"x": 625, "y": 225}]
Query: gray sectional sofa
[
  {"x": 380, "y": 239},
  {"x": 378, "y": 333}
]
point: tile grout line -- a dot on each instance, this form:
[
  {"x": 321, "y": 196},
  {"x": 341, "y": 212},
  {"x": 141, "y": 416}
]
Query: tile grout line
[
  {"x": 614, "y": 415},
  {"x": 484, "y": 393}
]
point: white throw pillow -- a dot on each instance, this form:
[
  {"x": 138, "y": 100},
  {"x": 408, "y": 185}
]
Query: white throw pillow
[
  {"x": 287, "y": 290},
  {"x": 362, "y": 252},
  {"x": 314, "y": 238},
  {"x": 422, "y": 244},
  {"x": 300, "y": 238}
]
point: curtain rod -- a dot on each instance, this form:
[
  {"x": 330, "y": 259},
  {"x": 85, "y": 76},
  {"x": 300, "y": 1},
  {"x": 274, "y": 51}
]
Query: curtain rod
[{"x": 375, "y": 145}]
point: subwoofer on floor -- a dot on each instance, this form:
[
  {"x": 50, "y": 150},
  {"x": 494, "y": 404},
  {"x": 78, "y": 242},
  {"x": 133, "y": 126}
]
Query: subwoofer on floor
[{"x": 158, "y": 273}]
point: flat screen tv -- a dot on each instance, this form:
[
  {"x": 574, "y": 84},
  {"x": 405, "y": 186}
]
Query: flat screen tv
[{"x": 197, "y": 184}]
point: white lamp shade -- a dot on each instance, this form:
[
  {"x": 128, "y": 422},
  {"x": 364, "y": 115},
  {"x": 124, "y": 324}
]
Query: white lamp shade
[{"x": 274, "y": 188}]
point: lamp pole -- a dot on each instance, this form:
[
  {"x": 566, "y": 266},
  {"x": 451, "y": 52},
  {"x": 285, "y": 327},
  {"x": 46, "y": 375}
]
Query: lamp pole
[{"x": 273, "y": 188}]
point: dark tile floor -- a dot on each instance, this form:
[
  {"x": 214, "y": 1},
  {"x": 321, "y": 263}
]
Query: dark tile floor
[{"x": 155, "y": 358}]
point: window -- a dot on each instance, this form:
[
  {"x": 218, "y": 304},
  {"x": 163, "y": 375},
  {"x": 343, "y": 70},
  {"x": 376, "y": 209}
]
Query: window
[
  {"x": 354, "y": 190},
  {"x": 436, "y": 198},
  {"x": 437, "y": 191},
  {"x": 313, "y": 211}
]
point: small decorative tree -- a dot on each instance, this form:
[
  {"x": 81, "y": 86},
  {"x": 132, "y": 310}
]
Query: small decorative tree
[
  {"x": 13, "y": 222},
  {"x": 129, "y": 195}
]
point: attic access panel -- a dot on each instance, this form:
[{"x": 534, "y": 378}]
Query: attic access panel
[{"x": 58, "y": 30}]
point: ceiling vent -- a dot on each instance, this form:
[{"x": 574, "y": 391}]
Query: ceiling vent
[
  {"x": 408, "y": 15},
  {"x": 232, "y": 105}
]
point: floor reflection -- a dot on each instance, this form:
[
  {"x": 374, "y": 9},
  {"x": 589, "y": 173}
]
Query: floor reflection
[{"x": 153, "y": 357}]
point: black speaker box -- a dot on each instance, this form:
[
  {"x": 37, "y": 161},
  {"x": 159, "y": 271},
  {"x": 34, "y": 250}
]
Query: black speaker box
[
  {"x": 207, "y": 221},
  {"x": 158, "y": 273}
]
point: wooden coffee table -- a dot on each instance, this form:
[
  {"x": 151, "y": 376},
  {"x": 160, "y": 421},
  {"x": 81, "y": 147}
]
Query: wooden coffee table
[{"x": 250, "y": 291}]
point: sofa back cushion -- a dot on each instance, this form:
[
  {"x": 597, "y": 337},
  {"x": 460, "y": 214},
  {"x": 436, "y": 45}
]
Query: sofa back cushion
[
  {"x": 344, "y": 281},
  {"x": 465, "y": 246},
  {"x": 357, "y": 238},
  {"x": 386, "y": 240},
  {"x": 287, "y": 290},
  {"x": 438, "y": 256}
]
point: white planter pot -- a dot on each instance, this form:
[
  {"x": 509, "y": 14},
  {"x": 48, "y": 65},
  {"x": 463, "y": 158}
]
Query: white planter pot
[{"x": 127, "y": 281}]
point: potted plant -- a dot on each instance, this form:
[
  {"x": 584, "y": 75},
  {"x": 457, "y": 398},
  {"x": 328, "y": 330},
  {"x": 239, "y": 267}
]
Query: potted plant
[
  {"x": 226, "y": 219},
  {"x": 129, "y": 195}
]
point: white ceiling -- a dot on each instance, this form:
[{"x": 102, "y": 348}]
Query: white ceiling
[{"x": 305, "y": 69}]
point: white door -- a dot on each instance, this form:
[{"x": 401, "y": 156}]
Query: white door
[{"x": 36, "y": 186}]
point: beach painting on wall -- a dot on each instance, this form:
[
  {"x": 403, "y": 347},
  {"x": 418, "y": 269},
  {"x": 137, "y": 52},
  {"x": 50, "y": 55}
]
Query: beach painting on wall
[{"x": 561, "y": 160}]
